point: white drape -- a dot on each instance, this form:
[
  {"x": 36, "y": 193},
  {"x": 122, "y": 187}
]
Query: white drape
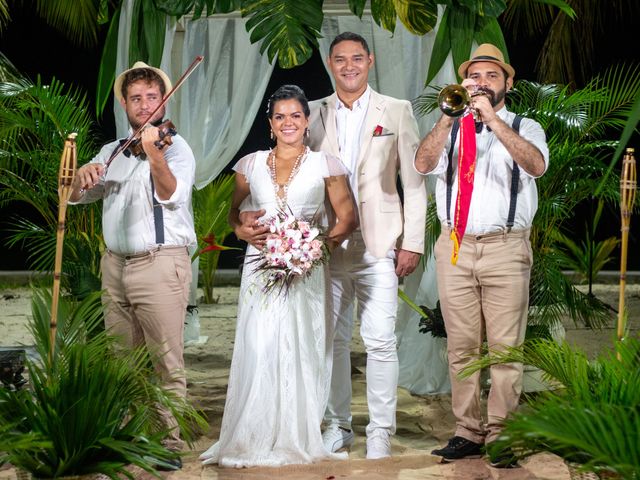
[{"x": 400, "y": 68}]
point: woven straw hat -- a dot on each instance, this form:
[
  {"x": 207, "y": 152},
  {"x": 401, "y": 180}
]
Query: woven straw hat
[
  {"x": 487, "y": 53},
  {"x": 117, "y": 86}
]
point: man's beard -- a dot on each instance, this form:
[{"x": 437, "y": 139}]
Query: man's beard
[{"x": 496, "y": 97}]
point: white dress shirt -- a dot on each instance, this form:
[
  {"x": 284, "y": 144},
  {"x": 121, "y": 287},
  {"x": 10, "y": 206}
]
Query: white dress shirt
[
  {"x": 349, "y": 122},
  {"x": 127, "y": 214},
  {"x": 491, "y": 196}
]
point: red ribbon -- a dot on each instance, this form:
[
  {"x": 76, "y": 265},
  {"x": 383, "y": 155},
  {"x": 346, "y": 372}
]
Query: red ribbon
[{"x": 466, "y": 171}]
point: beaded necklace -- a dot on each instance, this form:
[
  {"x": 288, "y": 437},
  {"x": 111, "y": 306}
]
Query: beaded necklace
[{"x": 282, "y": 199}]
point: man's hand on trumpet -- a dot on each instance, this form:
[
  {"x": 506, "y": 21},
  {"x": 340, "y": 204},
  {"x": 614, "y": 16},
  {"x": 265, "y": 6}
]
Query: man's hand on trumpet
[{"x": 481, "y": 97}]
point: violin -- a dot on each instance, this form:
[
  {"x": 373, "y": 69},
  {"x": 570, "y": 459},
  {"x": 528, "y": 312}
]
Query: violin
[{"x": 166, "y": 130}]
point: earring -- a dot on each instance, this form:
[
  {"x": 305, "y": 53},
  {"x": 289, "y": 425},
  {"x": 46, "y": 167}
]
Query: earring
[
  {"x": 273, "y": 137},
  {"x": 306, "y": 132}
]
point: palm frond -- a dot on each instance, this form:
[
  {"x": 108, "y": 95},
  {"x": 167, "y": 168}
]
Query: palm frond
[
  {"x": 527, "y": 17},
  {"x": 599, "y": 436},
  {"x": 77, "y": 20},
  {"x": 620, "y": 87}
]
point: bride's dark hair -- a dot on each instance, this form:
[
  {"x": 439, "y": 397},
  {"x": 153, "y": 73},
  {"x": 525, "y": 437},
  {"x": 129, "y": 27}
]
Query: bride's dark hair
[{"x": 288, "y": 92}]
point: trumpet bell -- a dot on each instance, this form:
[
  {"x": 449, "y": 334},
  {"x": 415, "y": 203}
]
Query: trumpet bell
[{"x": 454, "y": 100}]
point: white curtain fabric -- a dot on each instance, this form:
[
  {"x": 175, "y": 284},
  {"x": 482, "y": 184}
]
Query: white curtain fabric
[
  {"x": 400, "y": 68},
  {"x": 215, "y": 107}
]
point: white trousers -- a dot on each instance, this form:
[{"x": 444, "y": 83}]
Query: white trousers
[{"x": 356, "y": 275}]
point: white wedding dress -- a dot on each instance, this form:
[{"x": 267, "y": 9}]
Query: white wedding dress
[{"x": 280, "y": 370}]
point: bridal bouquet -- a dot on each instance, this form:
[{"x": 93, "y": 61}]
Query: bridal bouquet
[{"x": 293, "y": 248}]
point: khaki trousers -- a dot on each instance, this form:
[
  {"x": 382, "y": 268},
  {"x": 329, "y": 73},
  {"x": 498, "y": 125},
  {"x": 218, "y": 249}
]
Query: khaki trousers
[
  {"x": 146, "y": 299},
  {"x": 484, "y": 296}
]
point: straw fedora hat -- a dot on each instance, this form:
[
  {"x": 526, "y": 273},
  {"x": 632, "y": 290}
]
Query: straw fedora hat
[
  {"x": 117, "y": 86},
  {"x": 487, "y": 53}
]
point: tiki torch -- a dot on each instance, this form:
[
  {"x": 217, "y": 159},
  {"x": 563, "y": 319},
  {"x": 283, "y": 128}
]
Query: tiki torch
[
  {"x": 627, "y": 200},
  {"x": 65, "y": 177}
]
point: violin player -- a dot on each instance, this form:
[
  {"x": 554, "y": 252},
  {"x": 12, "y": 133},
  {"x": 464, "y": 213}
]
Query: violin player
[{"x": 147, "y": 225}]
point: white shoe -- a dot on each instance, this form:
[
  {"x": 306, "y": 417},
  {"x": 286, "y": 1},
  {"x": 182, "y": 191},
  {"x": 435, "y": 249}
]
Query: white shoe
[
  {"x": 378, "y": 444},
  {"x": 336, "y": 439}
]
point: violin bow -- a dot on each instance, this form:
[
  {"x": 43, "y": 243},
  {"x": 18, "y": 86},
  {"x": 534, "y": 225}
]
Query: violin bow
[
  {"x": 178, "y": 84},
  {"x": 68, "y": 162},
  {"x": 628, "y": 185}
]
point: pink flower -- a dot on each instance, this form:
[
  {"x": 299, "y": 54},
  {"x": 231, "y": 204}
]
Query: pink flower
[
  {"x": 377, "y": 131},
  {"x": 293, "y": 248}
]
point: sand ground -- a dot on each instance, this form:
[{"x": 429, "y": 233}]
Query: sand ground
[{"x": 424, "y": 422}]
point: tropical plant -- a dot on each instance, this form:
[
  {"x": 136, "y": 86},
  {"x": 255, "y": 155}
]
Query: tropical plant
[
  {"x": 211, "y": 206},
  {"x": 89, "y": 407},
  {"x": 431, "y": 319},
  {"x": 592, "y": 418},
  {"x": 577, "y": 125},
  {"x": 588, "y": 257},
  {"x": 567, "y": 55},
  {"x": 34, "y": 122}
]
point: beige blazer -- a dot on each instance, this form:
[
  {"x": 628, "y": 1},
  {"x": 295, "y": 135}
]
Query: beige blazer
[{"x": 385, "y": 222}]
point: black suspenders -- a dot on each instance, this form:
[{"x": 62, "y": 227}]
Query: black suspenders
[
  {"x": 515, "y": 175},
  {"x": 158, "y": 219}
]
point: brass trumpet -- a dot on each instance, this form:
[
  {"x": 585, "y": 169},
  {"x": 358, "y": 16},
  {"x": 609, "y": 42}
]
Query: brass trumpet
[{"x": 455, "y": 100}]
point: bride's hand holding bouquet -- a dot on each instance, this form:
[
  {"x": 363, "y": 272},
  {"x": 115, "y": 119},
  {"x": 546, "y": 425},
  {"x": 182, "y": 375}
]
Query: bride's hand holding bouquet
[{"x": 293, "y": 248}]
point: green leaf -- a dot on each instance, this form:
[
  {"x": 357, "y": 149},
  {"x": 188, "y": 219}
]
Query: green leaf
[
  {"x": 461, "y": 33},
  {"x": 562, "y": 5},
  {"x": 357, "y": 7},
  {"x": 488, "y": 31},
  {"x": 106, "y": 73},
  {"x": 179, "y": 8},
  {"x": 154, "y": 31},
  {"x": 176, "y": 8},
  {"x": 103, "y": 12},
  {"x": 492, "y": 8},
  {"x": 288, "y": 29},
  {"x": 441, "y": 47},
  {"x": 384, "y": 14},
  {"x": 137, "y": 47},
  {"x": 484, "y": 8},
  {"x": 418, "y": 16}
]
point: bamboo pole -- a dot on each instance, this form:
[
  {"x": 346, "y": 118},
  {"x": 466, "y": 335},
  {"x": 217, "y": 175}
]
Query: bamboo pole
[
  {"x": 628, "y": 186},
  {"x": 65, "y": 178}
]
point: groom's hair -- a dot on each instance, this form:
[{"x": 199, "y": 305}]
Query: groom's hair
[
  {"x": 354, "y": 37},
  {"x": 288, "y": 92}
]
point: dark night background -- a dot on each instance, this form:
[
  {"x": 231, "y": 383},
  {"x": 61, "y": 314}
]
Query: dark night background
[{"x": 36, "y": 49}]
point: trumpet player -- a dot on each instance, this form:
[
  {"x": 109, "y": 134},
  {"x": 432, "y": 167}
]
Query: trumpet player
[{"x": 486, "y": 199}]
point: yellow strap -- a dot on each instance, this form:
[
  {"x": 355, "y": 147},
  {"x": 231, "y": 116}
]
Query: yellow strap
[{"x": 456, "y": 247}]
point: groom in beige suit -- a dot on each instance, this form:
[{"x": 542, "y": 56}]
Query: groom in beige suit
[{"x": 376, "y": 137}]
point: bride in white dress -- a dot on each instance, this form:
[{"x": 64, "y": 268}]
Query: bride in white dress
[{"x": 280, "y": 370}]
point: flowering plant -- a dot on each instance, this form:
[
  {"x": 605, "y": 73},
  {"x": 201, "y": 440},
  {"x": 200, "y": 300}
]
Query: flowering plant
[{"x": 293, "y": 248}]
